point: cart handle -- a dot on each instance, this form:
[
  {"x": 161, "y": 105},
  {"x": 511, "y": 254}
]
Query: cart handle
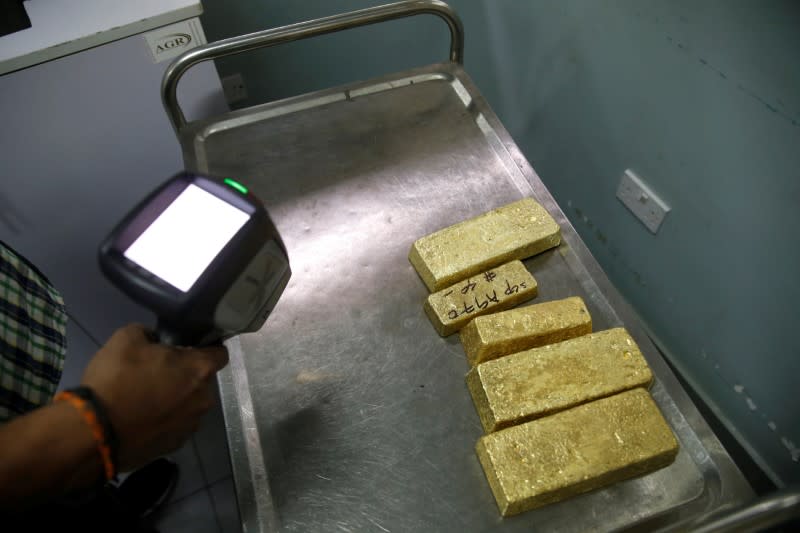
[{"x": 304, "y": 30}]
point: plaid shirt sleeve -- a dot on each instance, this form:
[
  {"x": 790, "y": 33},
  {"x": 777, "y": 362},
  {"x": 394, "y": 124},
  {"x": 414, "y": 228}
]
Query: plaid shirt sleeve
[{"x": 33, "y": 325}]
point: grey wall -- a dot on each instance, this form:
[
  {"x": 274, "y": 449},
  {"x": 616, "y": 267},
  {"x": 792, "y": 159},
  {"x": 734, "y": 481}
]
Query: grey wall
[
  {"x": 83, "y": 139},
  {"x": 702, "y": 99}
]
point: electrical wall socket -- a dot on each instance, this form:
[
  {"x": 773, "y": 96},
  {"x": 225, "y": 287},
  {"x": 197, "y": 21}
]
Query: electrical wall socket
[
  {"x": 234, "y": 88},
  {"x": 642, "y": 201}
]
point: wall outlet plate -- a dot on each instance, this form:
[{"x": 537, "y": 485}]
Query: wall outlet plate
[
  {"x": 642, "y": 201},
  {"x": 234, "y": 89}
]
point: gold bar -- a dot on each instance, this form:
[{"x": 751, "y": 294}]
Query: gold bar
[
  {"x": 494, "y": 290},
  {"x": 493, "y": 336},
  {"x": 548, "y": 379},
  {"x": 514, "y": 231},
  {"x": 575, "y": 451}
]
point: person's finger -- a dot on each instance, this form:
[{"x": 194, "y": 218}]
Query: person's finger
[
  {"x": 206, "y": 362},
  {"x": 217, "y": 355}
]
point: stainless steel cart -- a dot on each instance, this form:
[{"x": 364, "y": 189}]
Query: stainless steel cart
[{"x": 347, "y": 411}]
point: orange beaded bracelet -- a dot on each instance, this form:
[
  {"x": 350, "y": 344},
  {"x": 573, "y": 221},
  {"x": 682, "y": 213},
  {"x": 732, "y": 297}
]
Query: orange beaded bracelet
[{"x": 85, "y": 403}]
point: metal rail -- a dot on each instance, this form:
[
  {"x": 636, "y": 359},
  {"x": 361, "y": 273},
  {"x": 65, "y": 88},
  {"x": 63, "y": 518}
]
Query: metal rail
[
  {"x": 768, "y": 511},
  {"x": 304, "y": 30}
]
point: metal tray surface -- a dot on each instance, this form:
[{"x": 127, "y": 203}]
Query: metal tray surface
[{"x": 347, "y": 412}]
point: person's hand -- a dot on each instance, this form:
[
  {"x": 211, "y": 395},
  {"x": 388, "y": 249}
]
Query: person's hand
[{"x": 155, "y": 394}]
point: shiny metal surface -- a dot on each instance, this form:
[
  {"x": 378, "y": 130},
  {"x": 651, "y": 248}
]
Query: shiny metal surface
[
  {"x": 347, "y": 412},
  {"x": 304, "y": 30}
]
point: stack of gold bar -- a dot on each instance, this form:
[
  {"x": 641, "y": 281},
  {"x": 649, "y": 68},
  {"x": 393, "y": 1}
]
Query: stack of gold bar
[
  {"x": 575, "y": 451},
  {"x": 493, "y": 336},
  {"x": 514, "y": 231},
  {"x": 545, "y": 380},
  {"x": 450, "y": 309},
  {"x": 567, "y": 418},
  {"x": 565, "y": 410},
  {"x": 473, "y": 267}
]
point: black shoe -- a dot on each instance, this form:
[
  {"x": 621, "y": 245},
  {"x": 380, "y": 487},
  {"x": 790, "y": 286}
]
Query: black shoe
[{"x": 145, "y": 491}]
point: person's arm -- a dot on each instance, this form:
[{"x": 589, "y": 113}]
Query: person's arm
[
  {"x": 44, "y": 453},
  {"x": 155, "y": 396}
]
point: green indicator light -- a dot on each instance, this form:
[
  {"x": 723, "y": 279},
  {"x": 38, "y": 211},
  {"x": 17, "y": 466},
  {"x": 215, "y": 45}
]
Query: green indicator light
[{"x": 235, "y": 185}]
